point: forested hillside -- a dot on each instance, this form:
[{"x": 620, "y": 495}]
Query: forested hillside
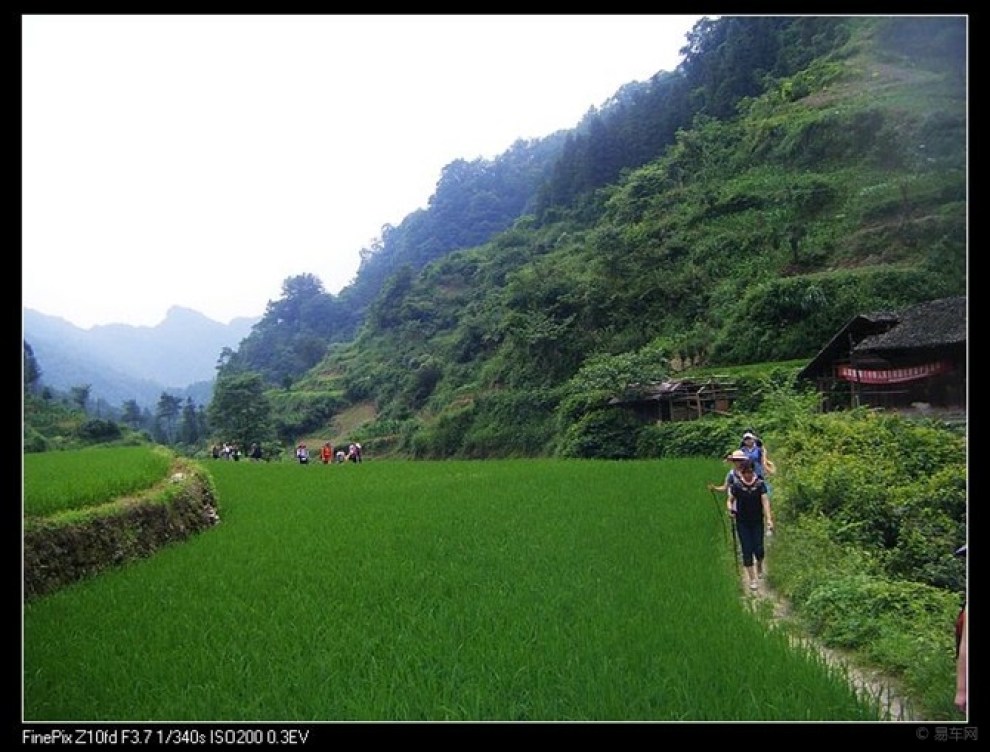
[{"x": 790, "y": 173}]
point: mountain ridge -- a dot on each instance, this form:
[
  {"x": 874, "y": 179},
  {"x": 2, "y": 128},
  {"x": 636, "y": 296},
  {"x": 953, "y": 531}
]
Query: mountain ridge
[{"x": 123, "y": 361}]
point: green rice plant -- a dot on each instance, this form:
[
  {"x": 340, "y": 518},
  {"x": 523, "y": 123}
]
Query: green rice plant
[
  {"x": 505, "y": 590},
  {"x": 61, "y": 481}
]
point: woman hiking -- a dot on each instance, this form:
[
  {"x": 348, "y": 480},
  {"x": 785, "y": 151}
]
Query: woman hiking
[
  {"x": 736, "y": 458},
  {"x": 749, "y": 505}
]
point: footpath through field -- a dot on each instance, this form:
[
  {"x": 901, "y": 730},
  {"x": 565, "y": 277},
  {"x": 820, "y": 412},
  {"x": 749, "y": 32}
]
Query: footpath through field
[{"x": 767, "y": 603}]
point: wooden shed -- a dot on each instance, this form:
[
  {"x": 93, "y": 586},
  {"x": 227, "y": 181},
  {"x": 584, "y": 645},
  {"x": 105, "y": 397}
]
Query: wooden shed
[
  {"x": 679, "y": 399},
  {"x": 896, "y": 359}
]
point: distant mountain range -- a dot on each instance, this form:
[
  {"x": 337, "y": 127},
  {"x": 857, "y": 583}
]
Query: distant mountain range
[{"x": 122, "y": 362}]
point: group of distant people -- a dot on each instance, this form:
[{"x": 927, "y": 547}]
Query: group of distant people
[
  {"x": 232, "y": 451},
  {"x": 327, "y": 454}
]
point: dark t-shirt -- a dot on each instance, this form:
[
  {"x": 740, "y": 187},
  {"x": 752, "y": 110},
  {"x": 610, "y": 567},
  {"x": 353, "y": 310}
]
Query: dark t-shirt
[{"x": 749, "y": 499}]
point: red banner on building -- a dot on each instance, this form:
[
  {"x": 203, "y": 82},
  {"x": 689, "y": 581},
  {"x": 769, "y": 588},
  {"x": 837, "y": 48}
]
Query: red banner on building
[{"x": 893, "y": 375}]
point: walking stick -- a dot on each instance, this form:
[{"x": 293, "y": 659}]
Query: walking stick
[
  {"x": 735, "y": 544},
  {"x": 719, "y": 515}
]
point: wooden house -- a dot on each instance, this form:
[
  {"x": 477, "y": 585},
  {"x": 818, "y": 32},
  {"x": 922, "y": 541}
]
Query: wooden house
[{"x": 896, "y": 359}]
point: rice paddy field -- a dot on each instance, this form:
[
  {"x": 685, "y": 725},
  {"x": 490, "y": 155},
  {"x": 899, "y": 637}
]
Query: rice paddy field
[
  {"x": 515, "y": 590},
  {"x": 60, "y": 481}
]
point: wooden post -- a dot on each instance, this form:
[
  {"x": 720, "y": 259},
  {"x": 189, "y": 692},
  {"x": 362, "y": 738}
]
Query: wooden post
[{"x": 854, "y": 392}]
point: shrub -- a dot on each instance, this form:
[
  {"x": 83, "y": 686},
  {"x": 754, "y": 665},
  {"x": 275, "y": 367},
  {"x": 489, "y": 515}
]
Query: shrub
[
  {"x": 444, "y": 437},
  {"x": 34, "y": 441},
  {"x": 605, "y": 434},
  {"x": 297, "y": 413},
  {"x": 97, "y": 430},
  {"x": 871, "y": 507},
  {"x": 854, "y": 611},
  {"x": 707, "y": 437},
  {"x": 805, "y": 553},
  {"x": 511, "y": 423},
  {"x": 931, "y": 520}
]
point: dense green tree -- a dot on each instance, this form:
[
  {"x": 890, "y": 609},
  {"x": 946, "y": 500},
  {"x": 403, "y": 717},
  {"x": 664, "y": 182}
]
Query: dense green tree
[
  {"x": 291, "y": 337},
  {"x": 132, "y": 415},
  {"x": 297, "y": 293},
  {"x": 167, "y": 413},
  {"x": 240, "y": 410},
  {"x": 189, "y": 424},
  {"x": 226, "y": 355},
  {"x": 80, "y": 395}
]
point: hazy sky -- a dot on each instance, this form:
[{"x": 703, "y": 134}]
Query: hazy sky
[{"x": 200, "y": 160}]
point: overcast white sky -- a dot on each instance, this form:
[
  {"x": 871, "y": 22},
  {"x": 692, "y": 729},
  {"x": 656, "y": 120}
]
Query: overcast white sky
[{"x": 199, "y": 160}]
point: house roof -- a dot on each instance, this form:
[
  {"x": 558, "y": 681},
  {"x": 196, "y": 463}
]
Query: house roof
[{"x": 935, "y": 323}]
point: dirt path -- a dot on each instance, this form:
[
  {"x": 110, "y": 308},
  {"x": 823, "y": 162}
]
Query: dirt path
[{"x": 766, "y": 600}]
